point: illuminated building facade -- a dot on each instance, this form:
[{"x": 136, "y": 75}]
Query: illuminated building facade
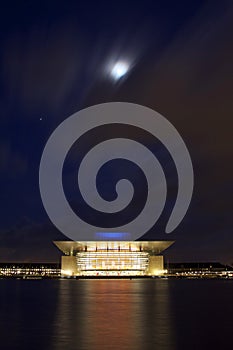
[{"x": 112, "y": 258}]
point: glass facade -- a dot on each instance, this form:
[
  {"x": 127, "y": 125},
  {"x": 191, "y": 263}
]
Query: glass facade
[{"x": 112, "y": 262}]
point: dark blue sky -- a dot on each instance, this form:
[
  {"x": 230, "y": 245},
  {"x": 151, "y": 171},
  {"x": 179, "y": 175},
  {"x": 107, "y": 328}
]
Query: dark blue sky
[{"x": 54, "y": 58}]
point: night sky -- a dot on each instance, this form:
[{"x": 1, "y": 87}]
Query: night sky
[{"x": 55, "y": 59}]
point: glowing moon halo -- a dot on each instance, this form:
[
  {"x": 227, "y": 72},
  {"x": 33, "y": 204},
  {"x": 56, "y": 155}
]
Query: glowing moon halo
[{"x": 119, "y": 69}]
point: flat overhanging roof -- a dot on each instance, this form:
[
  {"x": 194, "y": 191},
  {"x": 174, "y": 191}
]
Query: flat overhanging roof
[{"x": 73, "y": 247}]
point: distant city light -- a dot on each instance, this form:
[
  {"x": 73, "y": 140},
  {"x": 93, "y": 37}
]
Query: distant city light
[{"x": 119, "y": 69}]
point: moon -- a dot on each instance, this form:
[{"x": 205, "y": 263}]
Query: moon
[{"x": 119, "y": 70}]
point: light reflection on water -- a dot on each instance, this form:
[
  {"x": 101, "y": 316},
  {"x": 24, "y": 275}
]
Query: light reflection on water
[{"x": 115, "y": 314}]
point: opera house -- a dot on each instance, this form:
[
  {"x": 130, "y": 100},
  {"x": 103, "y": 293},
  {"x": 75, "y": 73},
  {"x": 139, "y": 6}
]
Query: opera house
[{"x": 112, "y": 258}]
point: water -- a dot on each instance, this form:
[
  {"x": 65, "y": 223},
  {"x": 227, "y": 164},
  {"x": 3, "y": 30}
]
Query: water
[{"x": 116, "y": 314}]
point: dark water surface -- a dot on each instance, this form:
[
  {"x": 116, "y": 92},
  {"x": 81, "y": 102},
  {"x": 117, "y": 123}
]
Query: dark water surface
[{"x": 116, "y": 314}]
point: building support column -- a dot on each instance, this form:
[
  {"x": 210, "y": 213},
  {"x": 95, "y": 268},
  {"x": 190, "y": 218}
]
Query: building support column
[
  {"x": 69, "y": 265},
  {"x": 156, "y": 265}
]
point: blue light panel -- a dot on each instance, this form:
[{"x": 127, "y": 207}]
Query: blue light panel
[{"x": 113, "y": 235}]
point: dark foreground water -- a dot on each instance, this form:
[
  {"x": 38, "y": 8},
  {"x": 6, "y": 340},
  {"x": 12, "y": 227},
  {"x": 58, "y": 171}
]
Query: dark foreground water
[{"x": 116, "y": 314}]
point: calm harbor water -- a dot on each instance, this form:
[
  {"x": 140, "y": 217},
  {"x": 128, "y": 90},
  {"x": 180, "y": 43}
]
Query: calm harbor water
[{"x": 116, "y": 314}]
